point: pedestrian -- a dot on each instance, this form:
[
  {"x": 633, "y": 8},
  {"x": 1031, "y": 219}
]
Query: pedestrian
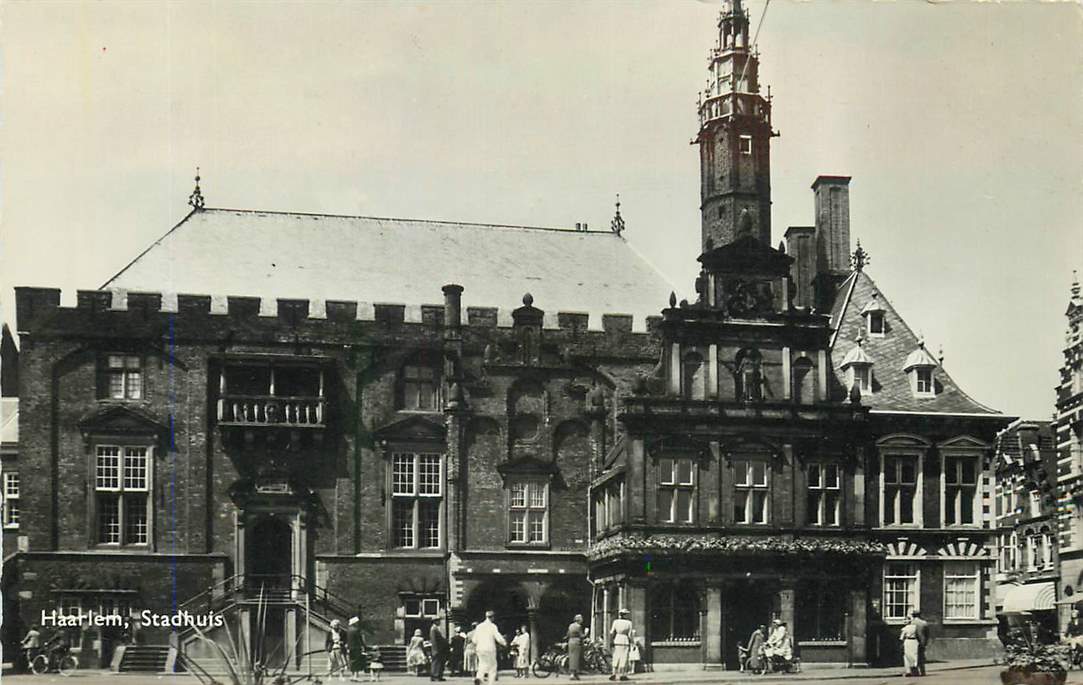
[
  {"x": 31, "y": 644},
  {"x": 924, "y": 637},
  {"x": 621, "y": 636},
  {"x": 522, "y": 652},
  {"x": 635, "y": 656},
  {"x": 909, "y": 639},
  {"x": 355, "y": 642},
  {"x": 754, "y": 655},
  {"x": 575, "y": 646},
  {"x": 376, "y": 665},
  {"x": 415, "y": 653},
  {"x": 458, "y": 645},
  {"x": 438, "y": 651},
  {"x": 470, "y": 651},
  {"x": 335, "y": 645},
  {"x": 487, "y": 639}
]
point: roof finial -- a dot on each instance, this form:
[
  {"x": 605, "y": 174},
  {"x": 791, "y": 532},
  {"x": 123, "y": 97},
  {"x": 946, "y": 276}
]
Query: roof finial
[
  {"x": 617, "y": 224},
  {"x": 195, "y": 200},
  {"x": 940, "y": 355},
  {"x": 859, "y": 258}
]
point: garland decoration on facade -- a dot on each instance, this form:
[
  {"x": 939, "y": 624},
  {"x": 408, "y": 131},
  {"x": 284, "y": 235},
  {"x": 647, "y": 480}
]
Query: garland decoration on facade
[{"x": 627, "y": 544}]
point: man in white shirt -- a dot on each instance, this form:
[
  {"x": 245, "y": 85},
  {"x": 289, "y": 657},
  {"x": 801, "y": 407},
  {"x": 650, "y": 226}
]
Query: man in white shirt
[
  {"x": 621, "y": 634},
  {"x": 486, "y": 637}
]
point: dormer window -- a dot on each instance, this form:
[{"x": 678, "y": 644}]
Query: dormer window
[
  {"x": 873, "y": 314},
  {"x": 419, "y": 383},
  {"x": 122, "y": 377},
  {"x": 920, "y": 367},
  {"x": 858, "y": 368}
]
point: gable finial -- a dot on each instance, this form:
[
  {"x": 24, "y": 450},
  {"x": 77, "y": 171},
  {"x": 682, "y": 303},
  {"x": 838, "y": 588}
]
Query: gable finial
[
  {"x": 617, "y": 224},
  {"x": 940, "y": 355},
  {"x": 195, "y": 200},
  {"x": 859, "y": 258}
]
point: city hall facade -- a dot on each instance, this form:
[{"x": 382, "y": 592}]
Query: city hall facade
[{"x": 423, "y": 419}]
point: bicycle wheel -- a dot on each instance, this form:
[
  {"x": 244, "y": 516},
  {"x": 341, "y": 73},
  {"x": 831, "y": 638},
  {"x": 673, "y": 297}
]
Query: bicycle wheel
[
  {"x": 603, "y": 663},
  {"x": 541, "y": 668},
  {"x": 39, "y": 664},
  {"x": 68, "y": 664}
]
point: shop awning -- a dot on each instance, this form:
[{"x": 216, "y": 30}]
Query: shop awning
[{"x": 1032, "y": 597}]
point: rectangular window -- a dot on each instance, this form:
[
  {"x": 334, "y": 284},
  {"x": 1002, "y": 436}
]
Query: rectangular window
[
  {"x": 528, "y": 512},
  {"x": 745, "y": 145},
  {"x": 122, "y": 492},
  {"x": 421, "y": 385},
  {"x": 676, "y": 490},
  {"x": 11, "y": 499},
  {"x": 751, "y": 490},
  {"x": 1035, "y": 504},
  {"x": 960, "y": 490},
  {"x": 821, "y": 610},
  {"x": 123, "y": 377},
  {"x": 824, "y": 494},
  {"x": 876, "y": 323},
  {"x": 900, "y": 589},
  {"x": 900, "y": 490},
  {"x": 961, "y": 590},
  {"x": 416, "y": 499},
  {"x": 862, "y": 378},
  {"x": 924, "y": 381}
]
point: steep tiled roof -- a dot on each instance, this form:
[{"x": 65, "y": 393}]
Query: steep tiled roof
[
  {"x": 891, "y": 386},
  {"x": 320, "y": 257}
]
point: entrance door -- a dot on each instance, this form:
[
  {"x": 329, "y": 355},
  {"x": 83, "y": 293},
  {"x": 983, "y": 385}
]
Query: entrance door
[
  {"x": 270, "y": 554},
  {"x": 268, "y": 582},
  {"x": 748, "y": 604}
]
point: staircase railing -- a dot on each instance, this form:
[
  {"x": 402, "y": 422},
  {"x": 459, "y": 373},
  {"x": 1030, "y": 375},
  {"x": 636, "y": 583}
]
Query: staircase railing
[{"x": 274, "y": 589}]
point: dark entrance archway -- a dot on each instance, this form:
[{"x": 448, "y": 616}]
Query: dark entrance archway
[
  {"x": 746, "y": 605},
  {"x": 505, "y": 597},
  {"x": 559, "y": 604},
  {"x": 270, "y": 553}
]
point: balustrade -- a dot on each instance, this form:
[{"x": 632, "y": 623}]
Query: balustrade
[{"x": 270, "y": 410}]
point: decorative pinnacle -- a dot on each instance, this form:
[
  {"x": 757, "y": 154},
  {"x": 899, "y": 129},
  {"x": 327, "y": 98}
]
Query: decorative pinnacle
[
  {"x": 672, "y": 299},
  {"x": 940, "y": 355},
  {"x": 859, "y": 258},
  {"x": 617, "y": 224},
  {"x": 528, "y": 300},
  {"x": 195, "y": 200}
]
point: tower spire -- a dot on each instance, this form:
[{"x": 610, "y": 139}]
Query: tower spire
[{"x": 734, "y": 136}]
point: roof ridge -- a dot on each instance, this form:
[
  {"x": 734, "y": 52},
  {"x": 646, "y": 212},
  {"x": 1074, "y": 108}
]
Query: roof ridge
[
  {"x": 148, "y": 249},
  {"x": 887, "y": 302},
  {"x": 446, "y": 222}
]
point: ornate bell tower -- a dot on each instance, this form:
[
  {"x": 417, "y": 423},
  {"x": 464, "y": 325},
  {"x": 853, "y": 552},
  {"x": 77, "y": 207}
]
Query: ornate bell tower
[{"x": 734, "y": 138}]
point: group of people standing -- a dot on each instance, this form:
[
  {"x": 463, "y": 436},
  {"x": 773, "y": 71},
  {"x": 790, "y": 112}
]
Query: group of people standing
[
  {"x": 347, "y": 651},
  {"x": 626, "y": 652},
  {"x": 764, "y": 647}
]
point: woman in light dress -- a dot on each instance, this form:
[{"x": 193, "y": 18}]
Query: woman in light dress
[
  {"x": 522, "y": 652},
  {"x": 909, "y": 639},
  {"x": 415, "y": 653}
]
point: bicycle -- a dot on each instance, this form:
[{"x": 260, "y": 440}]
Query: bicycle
[
  {"x": 60, "y": 660},
  {"x": 553, "y": 660}
]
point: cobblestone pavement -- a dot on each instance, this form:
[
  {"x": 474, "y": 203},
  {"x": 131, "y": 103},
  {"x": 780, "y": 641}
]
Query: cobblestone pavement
[{"x": 954, "y": 673}]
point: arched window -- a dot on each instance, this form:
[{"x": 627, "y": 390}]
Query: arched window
[
  {"x": 693, "y": 382},
  {"x": 804, "y": 381},
  {"x": 749, "y": 376},
  {"x": 674, "y": 612},
  {"x": 419, "y": 383}
]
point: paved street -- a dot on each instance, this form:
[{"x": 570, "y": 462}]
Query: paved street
[{"x": 968, "y": 674}]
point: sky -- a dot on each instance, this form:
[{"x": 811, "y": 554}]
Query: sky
[{"x": 961, "y": 124}]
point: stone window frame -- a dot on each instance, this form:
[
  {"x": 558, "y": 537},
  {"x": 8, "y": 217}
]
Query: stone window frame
[
  {"x": 749, "y": 488},
  {"x": 421, "y": 360},
  {"x": 675, "y": 485},
  {"x": 96, "y": 442},
  {"x": 913, "y": 580},
  {"x": 975, "y": 578},
  {"x": 528, "y": 509},
  {"x": 903, "y": 445},
  {"x": 415, "y": 497},
  {"x": 953, "y": 462},
  {"x": 670, "y": 590},
  {"x": 744, "y": 144},
  {"x": 11, "y": 496},
  {"x": 821, "y": 466},
  {"x": 873, "y": 317},
  {"x": 966, "y": 447}
]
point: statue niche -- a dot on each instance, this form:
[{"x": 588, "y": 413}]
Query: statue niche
[{"x": 743, "y": 297}]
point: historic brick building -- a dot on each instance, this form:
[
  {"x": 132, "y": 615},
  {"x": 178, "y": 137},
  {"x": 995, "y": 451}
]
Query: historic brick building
[
  {"x": 779, "y": 443},
  {"x": 1028, "y": 572},
  {"x": 1068, "y": 424}
]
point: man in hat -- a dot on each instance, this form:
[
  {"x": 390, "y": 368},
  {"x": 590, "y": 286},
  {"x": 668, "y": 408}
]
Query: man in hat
[
  {"x": 778, "y": 644},
  {"x": 438, "y": 650},
  {"x": 922, "y": 627},
  {"x": 575, "y": 645},
  {"x": 620, "y": 634},
  {"x": 486, "y": 639}
]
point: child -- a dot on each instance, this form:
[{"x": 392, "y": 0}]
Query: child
[
  {"x": 634, "y": 656},
  {"x": 375, "y": 665}
]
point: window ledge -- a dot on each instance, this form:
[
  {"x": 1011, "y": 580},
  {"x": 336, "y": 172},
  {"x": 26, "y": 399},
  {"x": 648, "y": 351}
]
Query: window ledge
[
  {"x": 822, "y": 643},
  {"x": 11, "y": 526},
  {"x": 968, "y": 622},
  {"x": 677, "y": 643},
  {"x": 520, "y": 546}
]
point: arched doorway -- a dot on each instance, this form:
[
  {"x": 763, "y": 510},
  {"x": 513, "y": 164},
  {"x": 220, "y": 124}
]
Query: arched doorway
[
  {"x": 505, "y": 597},
  {"x": 559, "y": 604}
]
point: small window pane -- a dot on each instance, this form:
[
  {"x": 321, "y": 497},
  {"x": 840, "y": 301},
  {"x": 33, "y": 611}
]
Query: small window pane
[
  {"x": 429, "y": 521},
  {"x": 684, "y": 506},
  {"x": 518, "y": 526},
  {"x": 429, "y": 474},
  {"x": 537, "y": 527},
  {"x": 135, "y": 468},
  {"x": 759, "y": 507},
  {"x": 665, "y": 505},
  {"x": 402, "y": 474},
  {"x": 814, "y": 476},
  {"x": 109, "y": 518},
  {"x": 518, "y": 494},
  {"x": 430, "y": 607},
  {"x": 759, "y": 473},
  {"x": 740, "y": 469},
  {"x": 684, "y": 471},
  {"x": 135, "y": 519},
  {"x": 402, "y": 522},
  {"x": 537, "y": 496},
  {"x": 108, "y": 472},
  {"x": 831, "y": 476},
  {"x": 412, "y": 607},
  {"x": 665, "y": 471}
]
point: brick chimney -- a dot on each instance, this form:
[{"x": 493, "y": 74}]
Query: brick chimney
[
  {"x": 832, "y": 195},
  {"x": 801, "y": 245}
]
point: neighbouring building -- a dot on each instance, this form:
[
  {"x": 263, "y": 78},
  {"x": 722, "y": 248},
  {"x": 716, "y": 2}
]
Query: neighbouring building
[
  {"x": 1068, "y": 423},
  {"x": 512, "y": 419},
  {"x": 1028, "y": 572}
]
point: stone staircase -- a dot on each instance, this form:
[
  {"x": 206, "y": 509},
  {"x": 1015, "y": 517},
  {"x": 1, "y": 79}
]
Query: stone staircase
[{"x": 146, "y": 658}]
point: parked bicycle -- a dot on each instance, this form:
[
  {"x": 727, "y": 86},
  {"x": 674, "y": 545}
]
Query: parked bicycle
[
  {"x": 596, "y": 659},
  {"x": 57, "y": 660}
]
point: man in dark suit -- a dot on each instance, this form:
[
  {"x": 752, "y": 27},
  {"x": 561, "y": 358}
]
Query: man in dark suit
[
  {"x": 923, "y": 637},
  {"x": 439, "y": 650}
]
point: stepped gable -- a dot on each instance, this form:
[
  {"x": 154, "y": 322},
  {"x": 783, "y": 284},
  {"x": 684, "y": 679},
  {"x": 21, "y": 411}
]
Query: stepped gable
[
  {"x": 891, "y": 386},
  {"x": 325, "y": 257}
]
